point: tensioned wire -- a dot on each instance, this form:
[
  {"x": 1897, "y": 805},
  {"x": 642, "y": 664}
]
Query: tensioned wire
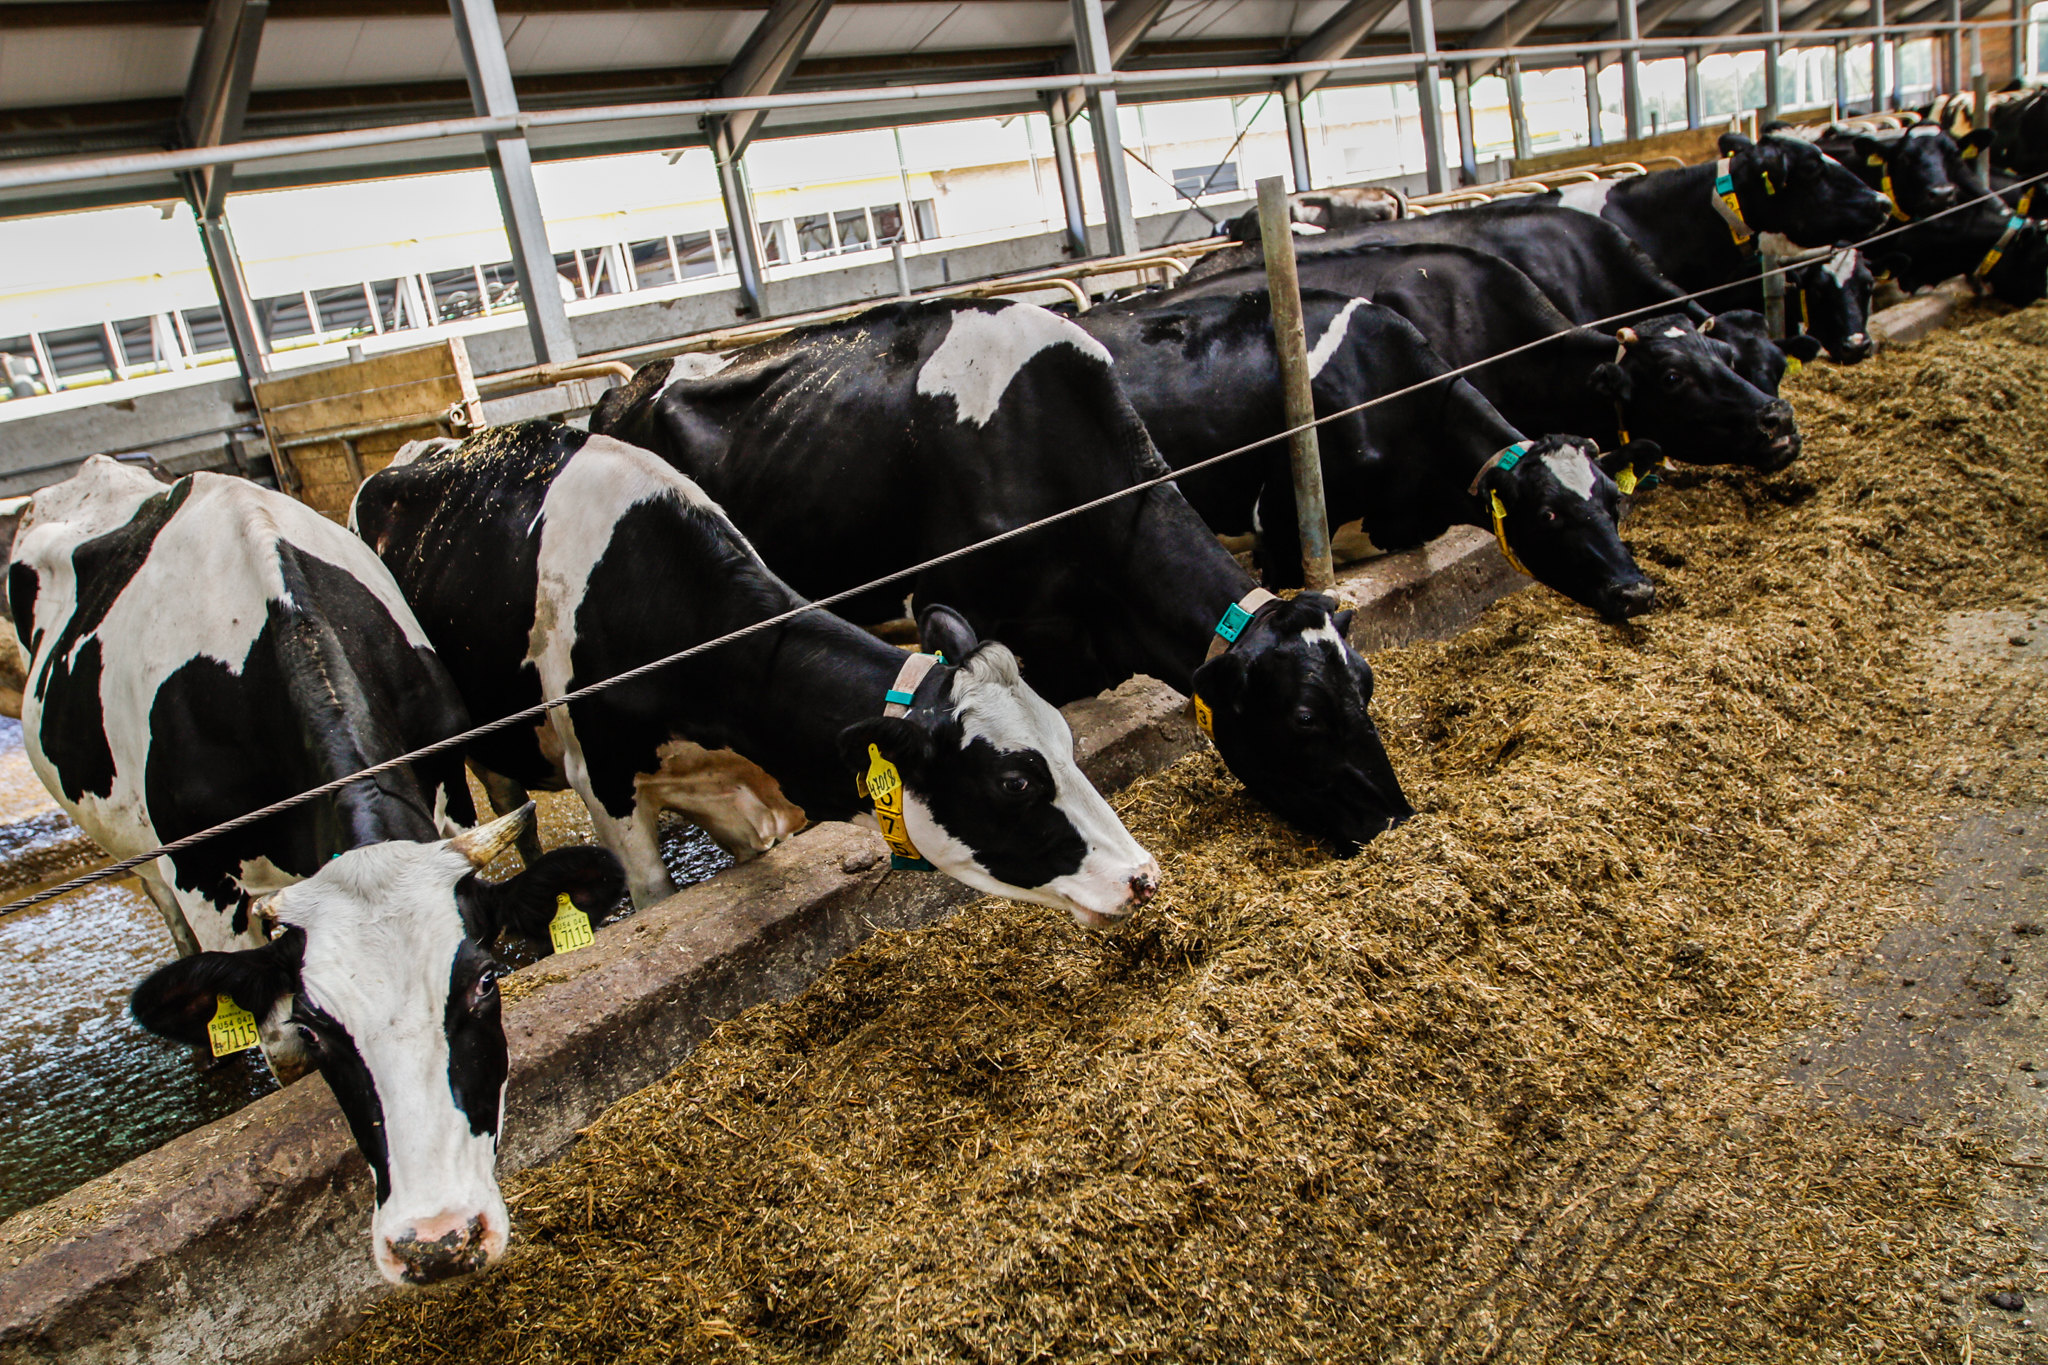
[{"x": 535, "y": 712}]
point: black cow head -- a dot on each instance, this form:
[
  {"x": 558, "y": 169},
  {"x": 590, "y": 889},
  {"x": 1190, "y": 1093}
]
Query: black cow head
[
  {"x": 1790, "y": 186},
  {"x": 1560, "y": 516},
  {"x": 992, "y": 794},
  {"x": 1753, "y": 352},
  {"x": 1290, "y": 705},
  {"x": 377, "y": 973},
  {"x": 2021, "y": 275},
  {"x": 1917, "y": 162},
  {"x": 1830, "y": 300},
  {"x": 1680, "y": 389}
]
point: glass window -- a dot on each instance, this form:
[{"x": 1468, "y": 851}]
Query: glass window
[
  {"x": 78, "y": 351},
  {"x": 343, "y": 310},
  {"x": 1199, "y": 180},
  {"x": 926, "y": 218},
  {"x": 502, "y": 283},
  {"x": 208, "y": 330},
  {"x": 852, "y": 225},
  {"x": 651, "y": 266},
  {"x": 888, "y": 223},
  {"x": 284, "y": 317},
  {"x": 693, "y": 249},
  {"x": 391, "y": 305},
  {"x": 814, "y": 236},
  {"x": 774, "y": 242},
  {"x": 454, "y": 294},
  {"x": 597, "y": 268},
  {"x": 138, "y": 346}
]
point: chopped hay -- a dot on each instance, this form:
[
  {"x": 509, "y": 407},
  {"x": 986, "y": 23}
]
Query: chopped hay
[{"x": 1505, "y": 1084}]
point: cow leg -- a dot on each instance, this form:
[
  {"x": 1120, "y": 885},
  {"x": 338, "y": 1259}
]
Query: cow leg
[
  {"x": 506, "y": 796},
  {"x": 174, "y": 914},
  {"x": 636, "y": 839}
]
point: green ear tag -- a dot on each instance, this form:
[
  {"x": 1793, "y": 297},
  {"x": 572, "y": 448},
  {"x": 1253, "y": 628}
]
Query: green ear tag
[
  {"x": 233, "y": 1029},
  {"x": 570, "y": 928}
]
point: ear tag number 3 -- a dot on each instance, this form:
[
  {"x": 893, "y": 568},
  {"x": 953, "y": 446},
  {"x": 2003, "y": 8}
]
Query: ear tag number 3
[
  {"x": 232, "y": 1029},
  {"x": 570, "y": 928},
  {"x": 885, "y": 789},
  {"x": 1205, "y": 719}
]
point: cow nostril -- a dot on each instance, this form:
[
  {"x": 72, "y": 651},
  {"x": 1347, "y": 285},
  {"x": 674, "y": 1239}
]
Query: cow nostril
[
  {"x": 460, "y": 1251},
  {"x": 1143, "y": 887}
]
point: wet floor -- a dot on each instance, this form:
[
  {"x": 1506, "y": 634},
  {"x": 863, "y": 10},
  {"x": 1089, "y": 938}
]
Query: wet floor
[{"x": 82, "y": 1088}]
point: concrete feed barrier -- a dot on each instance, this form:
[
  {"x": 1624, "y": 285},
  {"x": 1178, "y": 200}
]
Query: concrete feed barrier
[{"x": 247, "y": 1240}]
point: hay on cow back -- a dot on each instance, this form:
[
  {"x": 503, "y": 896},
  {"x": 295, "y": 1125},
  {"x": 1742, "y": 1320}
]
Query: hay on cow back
[{"x": 1502, "y": 1084}]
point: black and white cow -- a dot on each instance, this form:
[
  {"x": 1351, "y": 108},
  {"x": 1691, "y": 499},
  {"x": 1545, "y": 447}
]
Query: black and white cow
[
  {"x": 201, "y": 650},
  {"x": 542, "y": 558},
  {"x": 854, "y": 449},
  {"x": 1659, "y": 381},
  {"x": 1780, "y": 188},
  {"x": 1202, "y": 374},
  {"x": 1915, "y": 168}
]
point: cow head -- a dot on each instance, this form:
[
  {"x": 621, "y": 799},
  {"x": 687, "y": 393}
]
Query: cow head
[
  {"x": 377, "y": 973},
  {"x": 1753, "y": 352},
  {"x": 1289, "y": 702},
  {"x": 1917, "y": 162},
  {"x": 1680, "y": 389},
  {"x": 2021, "y": 275},
  {"x": 1830, "y": 299},
  {"x": 1560, "y": 517},
  {"x": 1790, "y": 186},
  {"x": 992, "y": 794}
]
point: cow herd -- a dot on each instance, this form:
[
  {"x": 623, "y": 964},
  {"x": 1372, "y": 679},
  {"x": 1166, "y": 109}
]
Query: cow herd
[{"x": 196, "y": 651}]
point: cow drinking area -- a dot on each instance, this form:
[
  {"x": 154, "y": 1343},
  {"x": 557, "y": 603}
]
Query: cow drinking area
[{"x": 1532, "y": 1075}]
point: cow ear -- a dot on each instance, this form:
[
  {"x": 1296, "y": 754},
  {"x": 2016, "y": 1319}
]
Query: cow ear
[
  {"x": 1869, "y": 150},
  {"x": 1979, "y": 140},
  {"x": 1802, "y": 348},
  {"x": 1610, "y": 381},
  {"x": 178, "y": 1000},
  {"x": 1731, "y": 143},
  {"x": 903, "y": 742},
  {"x": 1221, "y": 681},
  {"x": 941, "y": 630},
  {"x": 1342, "y": 621},
  {"x": 1644, "y": 455},
  {"x": 590, "y": 877}
]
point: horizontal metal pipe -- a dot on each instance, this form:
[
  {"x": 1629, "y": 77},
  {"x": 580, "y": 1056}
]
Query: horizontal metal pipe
[{"x": 313, "y": 144}]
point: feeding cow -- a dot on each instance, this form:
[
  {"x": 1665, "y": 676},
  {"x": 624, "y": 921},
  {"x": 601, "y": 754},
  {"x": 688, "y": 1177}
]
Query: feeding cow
[
  {"x": 201, "y": 650},
  {"x": 1702, "y": 225},
  {"x": 542, "y": 558},
  {"x": 854, "y": 449},
  {"x": 1916, "y": 168},
  {"x": 1202, "y": 374},
  {"x": 1659, "y": 381}
]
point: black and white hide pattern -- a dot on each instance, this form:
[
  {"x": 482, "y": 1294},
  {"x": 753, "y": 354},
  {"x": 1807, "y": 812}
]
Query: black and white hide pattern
[
  {"x": 542, "y": 558},
  {"x": 201, "y": 650}
]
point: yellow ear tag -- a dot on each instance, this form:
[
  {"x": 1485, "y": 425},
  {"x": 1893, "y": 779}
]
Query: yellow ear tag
[
  {"x": 1205, "y": 719},
  {"x": 1792, "y": 366},
  {"x": 233, "y": 1029},
  {"x": 1875, "y": 160},
  {"x": 570, "y": 928},
  {"x": 1626, "y": 479},
  {"x": 1500, "y": 533},
  {"x": 885, "y": 789}
]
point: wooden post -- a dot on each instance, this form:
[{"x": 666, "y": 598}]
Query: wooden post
[
  {"x": 1283, "y": 286},
  {"x": 1774, "y": 294}
]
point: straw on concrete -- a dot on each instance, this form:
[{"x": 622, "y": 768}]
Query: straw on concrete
[{"x": 1502, "y": 1086}]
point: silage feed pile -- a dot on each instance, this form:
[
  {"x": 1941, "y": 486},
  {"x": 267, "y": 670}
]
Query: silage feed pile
[{"x": 1507, "y": 1085}]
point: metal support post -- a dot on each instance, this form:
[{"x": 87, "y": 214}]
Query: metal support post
[
  {"x": 1518, "y": 113},
  {"x": 1958, "y": 82},
  {"x": 1428, "y": 96},
  {"x": 482, "y": 46},
  {"x": 1631, "y": 69},
  {"x": 1297, "y": 135},
  {"x": 1461, "y": 103},
  {"x": 1693, "y": 107},
  {"x": 2019, "y": 39},
  {"x": 739, "y": 220},
  {"x": 224, "y": 264},
  {"x": 1841, "y": 78},
  {"x": 902, "y": 269},
  {"x": 1773, "y": 54},
  {"x": 1091, "y": 42},
  {"x": 1068, "y": 171},
  {"x": 1774, "y": 293},
  {"x": 1595, "y": 135},
  {"x": 1283, "y": 287},
  {"x": 1880, "y": 53},
  {"x": 1980, "y": 82}
]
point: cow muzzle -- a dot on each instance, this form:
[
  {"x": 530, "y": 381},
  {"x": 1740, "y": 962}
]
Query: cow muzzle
[
  {"x": 1629, "y": 600},
  {"x": 1780, "y": 436},
  {"x": 1858, "y": 347},
  {"x": 1140, "y": 887},
  {"x": 440, "y": 1248}
]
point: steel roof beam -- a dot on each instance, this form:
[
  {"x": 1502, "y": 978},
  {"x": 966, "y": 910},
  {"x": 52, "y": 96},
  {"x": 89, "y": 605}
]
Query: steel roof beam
[
  {"x": 1124, "y": 24},
  {"x": 1340, "y": 33},
  {"x": 217, "y": 93},
  {"x": 766, "y": 62},
  {"x": 1516, "y": 23}
]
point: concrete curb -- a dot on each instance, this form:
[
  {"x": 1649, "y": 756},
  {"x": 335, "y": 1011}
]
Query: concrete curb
[
  {"x": 1920, "y": 316},
  {"x": 246, "y": 1241}
]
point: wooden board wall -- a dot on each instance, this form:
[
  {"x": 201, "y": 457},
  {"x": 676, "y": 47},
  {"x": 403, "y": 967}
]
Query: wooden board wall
[
  {"x": 1689, "y": 145},
  {"x": 372, "y": 406}
]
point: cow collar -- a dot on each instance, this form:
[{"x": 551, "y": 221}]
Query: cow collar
[
  {"x": 883, "y": 784},
  {"x": 1504, "y": 459},
  {"x": 2013, "y": 224},
  {"x": 1235, "y": 618},
  {"x": 1729, "y": 206},
  {"x": 1885, "y": 183}
]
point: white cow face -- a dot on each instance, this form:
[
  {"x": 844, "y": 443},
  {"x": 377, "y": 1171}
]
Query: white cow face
[
  {"x": 377, "y": 973},
  {"x": 992, "y": 794}
]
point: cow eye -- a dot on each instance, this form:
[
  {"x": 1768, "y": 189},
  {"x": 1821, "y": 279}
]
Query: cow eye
[
  {"x": 1549, "y": 514},
  {"x": 1016, "y": 784},
  {"x": 1305, "y": 718},
  {"x": 1673, "y": 379}
]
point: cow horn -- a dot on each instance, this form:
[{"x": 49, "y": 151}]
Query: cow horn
[
  {"x": 483, "y": 844},
  {"x": 1627, "y": 336}
]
